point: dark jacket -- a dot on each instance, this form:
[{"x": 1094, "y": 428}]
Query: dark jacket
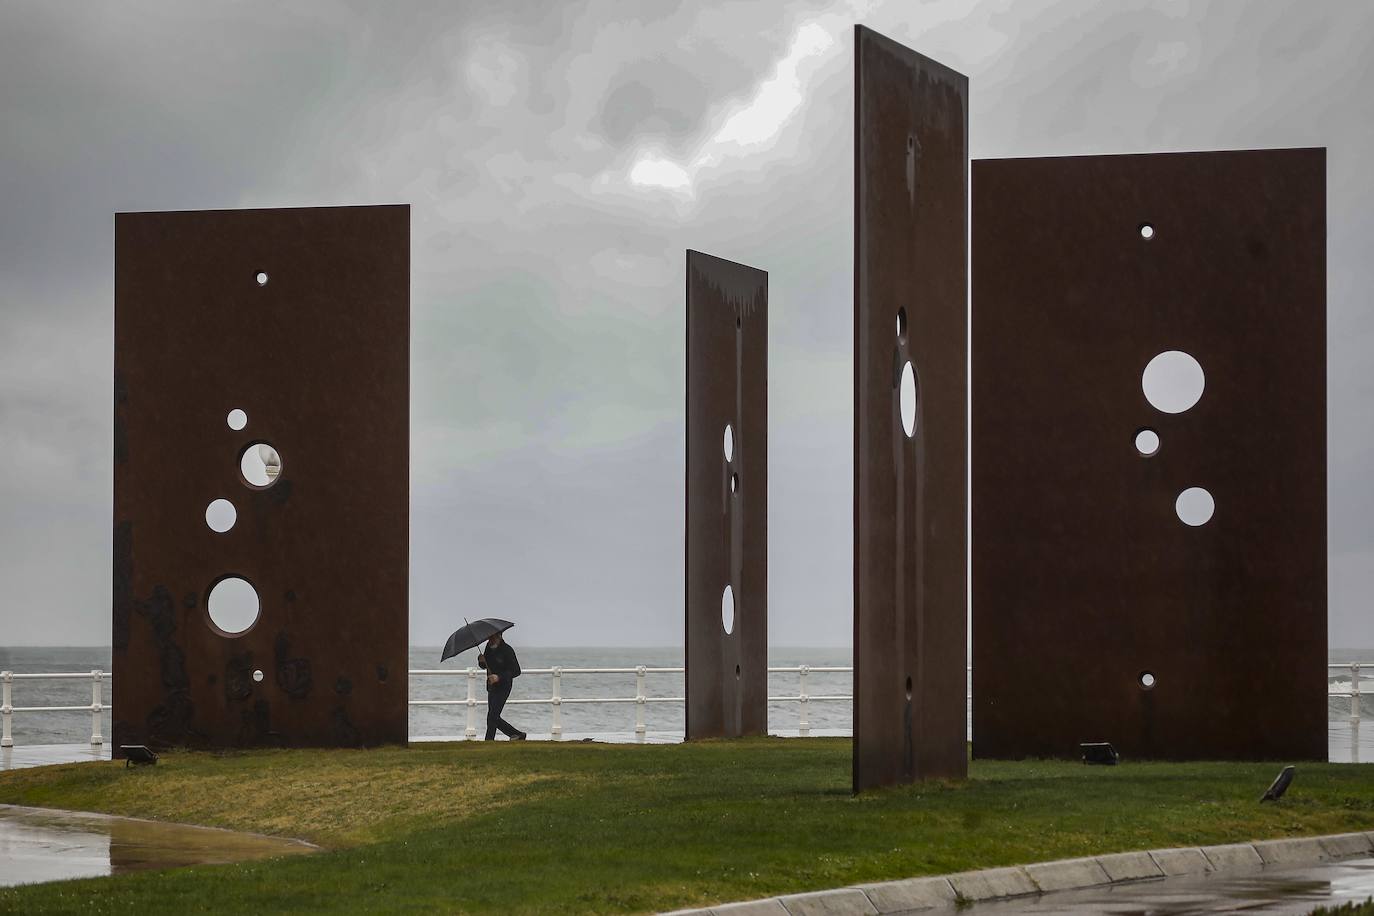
[{"x": 501, "y": 662}]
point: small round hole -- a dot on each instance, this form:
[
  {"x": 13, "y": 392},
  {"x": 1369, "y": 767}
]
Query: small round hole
[
  {"x": 1147, "y": 442},
  {"x": 1147, "y": 679},
  {"x": 1195, "y": 506},
  {"x": 233, "y": 606},
  {"x": 1147, "y": 231},
  {"x": 220, "y": 515},
  {"x": 237, "y": 419},
  {"x": 257, "y": 676},
  {"x": 729, "y": 443},
  {"x": 901, "y": 323},
  {"x": 906, "y": 399},
  {"x": 908, "y": 687},
  {"x": 727, "y": 610},
  {"x": 261, "y": 278},
  {"x": 734, "y": 483},
  {"x": 260, "y": 464}
]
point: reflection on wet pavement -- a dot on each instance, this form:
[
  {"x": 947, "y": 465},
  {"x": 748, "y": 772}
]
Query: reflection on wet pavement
[
  {"x": 39, "y": 844},
  {"x": 1271, "y": 891}
]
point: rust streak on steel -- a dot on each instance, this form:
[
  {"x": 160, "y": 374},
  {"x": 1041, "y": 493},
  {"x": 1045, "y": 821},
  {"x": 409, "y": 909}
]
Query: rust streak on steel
[
  {"x": 1085, "y": 579},
  {"x": 318, "y": 357},
  {"x": 727, "y": 498},
  {"x": 910, "y": 549}
]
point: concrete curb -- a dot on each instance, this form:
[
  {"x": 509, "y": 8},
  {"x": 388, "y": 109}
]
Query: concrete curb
[{"x": 914, "y": 894}]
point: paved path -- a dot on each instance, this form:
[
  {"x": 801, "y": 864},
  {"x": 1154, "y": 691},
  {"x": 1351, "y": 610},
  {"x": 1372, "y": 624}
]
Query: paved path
[
  {"x": 1270, "y": 891},
  {"x": 38, "y": 755}
]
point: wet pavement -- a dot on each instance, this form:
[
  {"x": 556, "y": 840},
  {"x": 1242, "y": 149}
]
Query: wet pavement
[
  {"x": 40, "y": 755},
  {"x": 1271, "y": 891},
  {"x": 39, "y": 844}
]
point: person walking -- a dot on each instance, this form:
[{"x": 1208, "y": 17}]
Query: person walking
[{"x": 502, "y": 669}]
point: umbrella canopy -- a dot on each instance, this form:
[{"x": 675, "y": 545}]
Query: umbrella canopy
[{"x": 473, "y": 635}]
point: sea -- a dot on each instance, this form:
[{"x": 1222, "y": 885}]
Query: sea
[{"x": 603, "y": 721}]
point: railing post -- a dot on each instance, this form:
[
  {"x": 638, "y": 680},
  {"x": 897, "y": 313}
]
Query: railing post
[
  {"x": 804, "y": 722},
  {"x": 6, "y": 709},
  {"x": 1354, "y": 712},
  {"x": 470, "y": 731},
  {"x": 96, "y": 706},
  {"x": 639, "y": 703},
  {"x": 557, "y": 703}
]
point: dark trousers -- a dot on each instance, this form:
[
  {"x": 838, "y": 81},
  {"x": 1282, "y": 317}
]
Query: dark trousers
[{"x": 497, "y": 695}]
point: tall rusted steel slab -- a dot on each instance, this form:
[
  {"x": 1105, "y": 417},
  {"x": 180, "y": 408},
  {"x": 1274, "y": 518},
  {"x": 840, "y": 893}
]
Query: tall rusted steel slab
[
  {"x": 910, "y": 527},
  {"x": 727, "y": 498},
  {"x": 1084, "y": 577},
  {"x": 318, "y": 358}
]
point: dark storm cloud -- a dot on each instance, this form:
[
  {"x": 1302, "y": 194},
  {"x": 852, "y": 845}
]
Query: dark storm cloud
[{"x": 558, "y": 159}]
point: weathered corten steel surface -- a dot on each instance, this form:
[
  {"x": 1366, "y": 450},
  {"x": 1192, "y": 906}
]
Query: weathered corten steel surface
[
  {"x": 318, "y": 358},
  {"x": 910, "y": 542},
  {"x": 727, "y": 498},
  {"x": 1084, "y": 577}
]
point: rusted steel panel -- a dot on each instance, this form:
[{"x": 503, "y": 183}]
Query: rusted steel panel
[
  {"x": 910, "y": 534},
  {"x": 318, "y": 358},
  {"x": 727, "y": 498},
  {"x": 1084, "y": 577}
]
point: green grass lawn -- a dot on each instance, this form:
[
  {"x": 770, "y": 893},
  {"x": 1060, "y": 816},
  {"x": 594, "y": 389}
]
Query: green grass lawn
[{"x": 537, "y": 827}]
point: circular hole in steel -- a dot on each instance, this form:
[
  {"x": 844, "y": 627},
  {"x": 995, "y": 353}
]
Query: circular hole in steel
[
  {"x": 1147, "y": 679},
  {"x": 908, "y": 687},
  {"x": 261, "y": 278},
  {"x": 233, "y": 606},
  {"x": 260, "y": 465},
  {"x": 727, "y": 609},
  {"x": 257, "y": 676},
  {"x": 729, "y": 443},
  {"x": 237, "y": 419},
  {"x": 1173, "y": 381},
  {"x": 1147, "y": 442},
  {"x": 1195, "y": 506},
  {"x": 220, "y": 515},
  {"x": 1147, "y": 231},
  {"x": 906, "y": 399}
]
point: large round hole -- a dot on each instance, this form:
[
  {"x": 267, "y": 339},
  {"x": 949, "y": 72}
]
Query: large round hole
[
  {"x": 260, "y": 464},
  {"x": 1195, "y": 506},
  {"x": 257, "y": 676},
  {"x": 1173, "y": 381},
  {"x": 727, "y": 609},
  {"x": 233, "y": 606},
  {"x": 1147, "y": 231},
  {"x": 906, "y": 399},
  {"x": 220, "y": 515},
  {"x": 1147, "y": 442},
  {"x": 1147, "y": 679},
  {"x": 729, "y": 443},
  {"x": 261, "y": 278},
  {"x": 237, "y": 419}
]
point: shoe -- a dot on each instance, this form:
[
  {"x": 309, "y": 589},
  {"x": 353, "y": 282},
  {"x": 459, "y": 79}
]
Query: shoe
[{"x": 520, "y": 736}]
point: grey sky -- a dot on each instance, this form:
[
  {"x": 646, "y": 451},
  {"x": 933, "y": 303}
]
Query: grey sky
[{"x": 558, "y": 159}]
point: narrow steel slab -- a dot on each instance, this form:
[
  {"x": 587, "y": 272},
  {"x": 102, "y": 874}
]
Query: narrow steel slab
[
  {"x": 1099, "y": 615},
  {"x": 300, "y": 319},
  {"x": 910, "y": 306},
  {"x": 727, "y": 499}
]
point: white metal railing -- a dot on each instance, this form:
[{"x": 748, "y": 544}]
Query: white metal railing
[
  {"x": 557, "y": 700},
  {"x": 8, "y": 709}
]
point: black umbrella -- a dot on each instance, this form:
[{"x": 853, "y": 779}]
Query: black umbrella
[{"x": 473, "y": 635}]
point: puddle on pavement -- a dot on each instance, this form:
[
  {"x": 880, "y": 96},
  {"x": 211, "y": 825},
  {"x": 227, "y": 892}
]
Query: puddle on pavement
[{"x": 39, "y": 844}]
